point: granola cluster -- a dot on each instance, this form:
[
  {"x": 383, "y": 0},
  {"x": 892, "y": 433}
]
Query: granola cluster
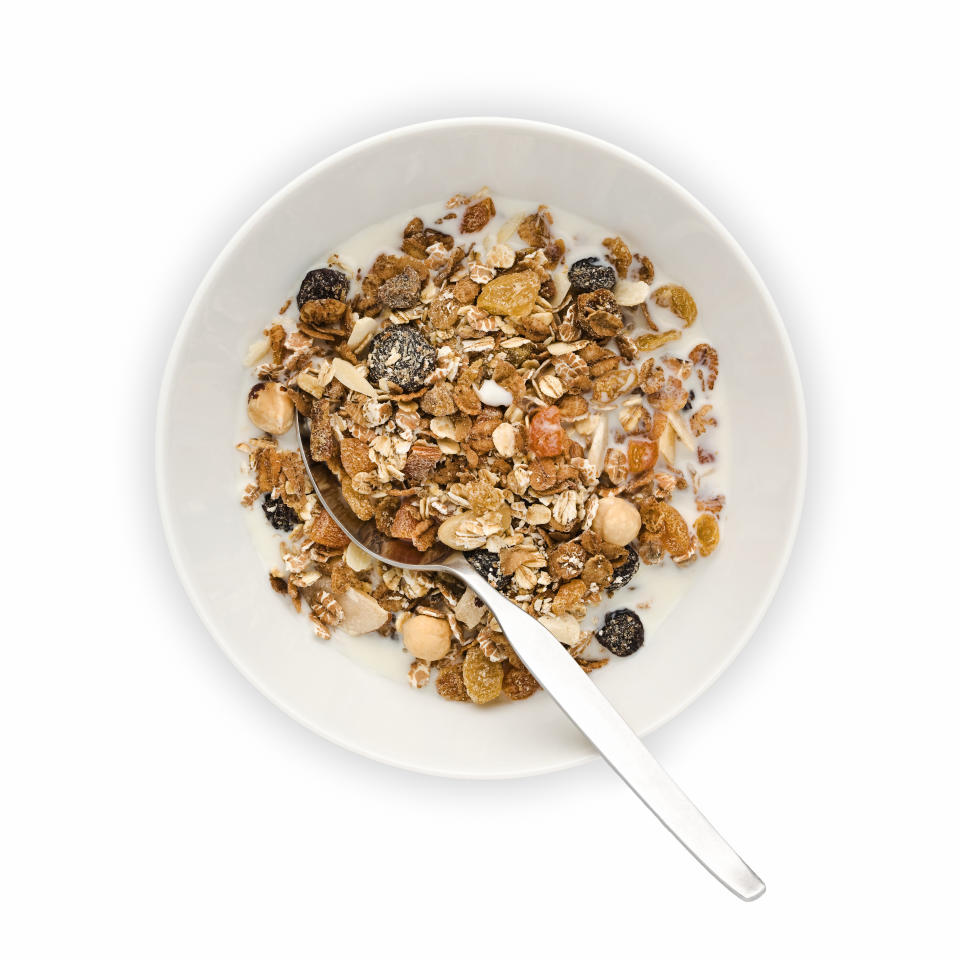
[{"x": 473, "y": 387}]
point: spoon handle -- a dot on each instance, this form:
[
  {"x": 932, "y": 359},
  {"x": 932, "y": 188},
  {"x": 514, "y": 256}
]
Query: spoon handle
[{"x": 580, "y": 699}]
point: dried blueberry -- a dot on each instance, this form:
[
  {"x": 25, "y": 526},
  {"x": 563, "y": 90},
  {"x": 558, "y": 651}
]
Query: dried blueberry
[
  {"x": 589, "y": 274},
  {"x": 621, "y": 633},
  {"x": 623, "y": 572},
  {"x": 323, "y": 284},
  {"x": 488, "y": 565},
  {"x": 281, "y": 516},
  {"x": 401, "y": 355}
]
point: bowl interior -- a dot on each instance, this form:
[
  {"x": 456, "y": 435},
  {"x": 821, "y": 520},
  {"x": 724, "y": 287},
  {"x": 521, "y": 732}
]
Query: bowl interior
[{"x": 197, "y": 465}]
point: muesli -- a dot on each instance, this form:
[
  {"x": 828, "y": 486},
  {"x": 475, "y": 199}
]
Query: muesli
[{"x": 511, "y": 391}]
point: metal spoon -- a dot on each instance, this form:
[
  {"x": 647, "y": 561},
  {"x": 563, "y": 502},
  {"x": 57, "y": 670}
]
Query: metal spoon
[{"x": 559, "y": 674}]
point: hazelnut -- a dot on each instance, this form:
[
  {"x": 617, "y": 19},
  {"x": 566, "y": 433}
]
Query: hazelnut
[
  {"x": 270, "y": 408},
  {"x": 427, "y": 638},
  {"x": 617, "y": 521}
]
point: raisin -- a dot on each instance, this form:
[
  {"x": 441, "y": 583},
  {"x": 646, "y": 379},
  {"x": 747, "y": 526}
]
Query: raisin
[
  {"x": 677, "y": 299},
  {"x": 589, "y": 274},
  {"x": 401, "y": 355},
  {"x": 642, "y": 455},
  {"x": 708, "y": 533},
  {"x": 621, "y": 633},
  {"x": 401, "y": 291},
  {"x": 482, "y": 677},
  {"x": 487, "y": 564},
  {"x": 547, "y": 436},
  {"x": 624, "y": 571},
  {"x": 323, "y": 284},
  {"x": 510, "y": 294},
  {"x": 281, "y": 516},
  {"x": 476, "y": 217}
]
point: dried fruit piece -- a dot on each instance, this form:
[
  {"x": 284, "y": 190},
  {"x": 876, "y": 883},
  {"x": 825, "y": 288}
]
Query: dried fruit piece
[
  {"x": 619, "y": 255},
  {"x": 547, "y": 438},
  {"x": 510, "y": 294},
  {"x": 708, "y": 533},
  {"x": 678, "y": 300},
  {"x": 401, "y": 291},
  {"x": 487, "y": 564},
  {"x": 281, "y": 516},
  {"x": 653, "y": 341},
  {"x": 478, "y": 215},
  {"x": 642, "y": 455},
  {"x": 623, "y": 572},
  {"x": 589, "y": 274},
  {"x": 621, "y": 633},
  {"x": 323, "y": 284},
  {"x": 402, "y": 355},
  {"x": 482, "y": 677}
]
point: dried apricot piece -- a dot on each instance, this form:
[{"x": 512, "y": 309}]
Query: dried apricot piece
[
  {"x": 482, "y": 678},
  {"x": 708, "y": 533}
]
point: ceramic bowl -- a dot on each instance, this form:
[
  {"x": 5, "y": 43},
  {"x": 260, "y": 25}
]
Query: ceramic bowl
[{"x": 205, "y": 382}]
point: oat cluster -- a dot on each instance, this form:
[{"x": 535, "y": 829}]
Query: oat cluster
[{"x": 490, "y": 395}]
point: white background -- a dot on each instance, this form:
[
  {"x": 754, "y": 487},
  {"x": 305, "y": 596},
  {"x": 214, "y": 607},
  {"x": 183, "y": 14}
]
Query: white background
[{"x": 155, "y": 805}]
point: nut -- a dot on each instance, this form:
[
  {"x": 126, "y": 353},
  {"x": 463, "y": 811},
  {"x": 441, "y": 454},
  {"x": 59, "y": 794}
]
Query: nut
[
  {"x": 505, "y": 439},
  {"x": 361, "y": 613},
  {"x": 427, "y": 638},
  {"x": 270, "y": 408},
  {"x": 617, "y": 521}
]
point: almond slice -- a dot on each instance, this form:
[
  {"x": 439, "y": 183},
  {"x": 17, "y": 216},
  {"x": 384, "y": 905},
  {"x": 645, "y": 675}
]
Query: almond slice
[
  {"x": 347, "y": 374},
  {"x": 361, "y": 613}
]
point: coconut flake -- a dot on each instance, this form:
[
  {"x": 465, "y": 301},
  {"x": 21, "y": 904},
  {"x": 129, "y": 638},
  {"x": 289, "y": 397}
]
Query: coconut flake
[{"x": 493, "y": 395}]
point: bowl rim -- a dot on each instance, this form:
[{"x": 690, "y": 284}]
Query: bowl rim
[{"x": 535, "y": 127}]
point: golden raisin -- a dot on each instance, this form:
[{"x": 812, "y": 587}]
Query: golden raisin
[
  {"x": 642, "y": 455},
  {"x": 547, "y": 437},
  {"x": 678, "y": 300},
  {"x": 482, "y": 678},
  {"x": 708, "y": 533},
  {"x": 510, "y": 294}
]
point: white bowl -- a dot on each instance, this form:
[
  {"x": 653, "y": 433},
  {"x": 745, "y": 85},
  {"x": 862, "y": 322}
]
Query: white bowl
[{"x": 205, "y": 379}]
